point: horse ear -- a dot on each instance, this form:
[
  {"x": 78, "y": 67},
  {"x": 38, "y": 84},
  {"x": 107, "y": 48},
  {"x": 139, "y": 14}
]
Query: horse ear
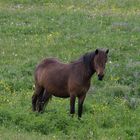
[
  {"x": 107, "y": 51},
  {"x": 96, "y": 52}
]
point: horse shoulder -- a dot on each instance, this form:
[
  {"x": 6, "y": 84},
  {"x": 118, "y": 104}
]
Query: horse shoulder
[{"x": 78, "y": 82}]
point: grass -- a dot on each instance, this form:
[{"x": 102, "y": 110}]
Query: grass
[{"x": 31, "y": 30}]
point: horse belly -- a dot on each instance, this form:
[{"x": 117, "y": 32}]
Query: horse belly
[
  {"x": 57, "y": 91},
  {"x": 61, "y": 95}
]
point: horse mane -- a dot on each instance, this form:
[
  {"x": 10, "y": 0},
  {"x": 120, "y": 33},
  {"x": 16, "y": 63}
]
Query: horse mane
[{"x": 86, "y": 59}]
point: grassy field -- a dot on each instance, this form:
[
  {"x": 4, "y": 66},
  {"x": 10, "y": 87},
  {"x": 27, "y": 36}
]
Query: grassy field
[{"x": 31, "y": 30}]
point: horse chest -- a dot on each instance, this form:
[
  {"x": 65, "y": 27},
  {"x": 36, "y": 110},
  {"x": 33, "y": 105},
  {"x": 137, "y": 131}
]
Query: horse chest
[
  {"x": 79, "y": 88},
  {"x": 84, "y": 88}
]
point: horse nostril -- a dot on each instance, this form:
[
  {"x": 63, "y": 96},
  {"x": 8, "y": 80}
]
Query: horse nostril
[{"x": 100, "y": 77}]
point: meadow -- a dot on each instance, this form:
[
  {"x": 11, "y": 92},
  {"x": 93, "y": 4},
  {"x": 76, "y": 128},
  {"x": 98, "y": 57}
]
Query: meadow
[{"x": 31, "y": 30}]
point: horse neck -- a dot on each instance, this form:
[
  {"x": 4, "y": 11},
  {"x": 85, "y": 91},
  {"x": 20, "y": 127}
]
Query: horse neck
[
  {"x": 83, "y": 72},
  {"x": 87, "y": 74},
  {"x": 87, "y": 69},
  {"x": 90, "y": 68},
  {"x": 90, "y": 73}
]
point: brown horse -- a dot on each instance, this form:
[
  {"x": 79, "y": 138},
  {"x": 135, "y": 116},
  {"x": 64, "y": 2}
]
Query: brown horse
[{"x": 67, "y": 80}]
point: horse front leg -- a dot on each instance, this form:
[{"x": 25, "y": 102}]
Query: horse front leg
[{"x": 80, "y": 105}]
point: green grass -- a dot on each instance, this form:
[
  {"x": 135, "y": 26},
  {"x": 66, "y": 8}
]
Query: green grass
[{"x": 31, "y": 30}]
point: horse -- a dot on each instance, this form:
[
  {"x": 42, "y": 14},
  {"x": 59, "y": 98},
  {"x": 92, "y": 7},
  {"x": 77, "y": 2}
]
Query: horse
[{"x": 54, "y": 78}]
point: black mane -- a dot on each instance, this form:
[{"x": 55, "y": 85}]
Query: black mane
[{"x": 87, "y": 60}]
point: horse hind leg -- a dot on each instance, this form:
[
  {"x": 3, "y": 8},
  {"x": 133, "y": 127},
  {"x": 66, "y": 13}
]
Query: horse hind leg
[
  {"x": 45, "y": 99},
  {"x": 34, "y": 99},
  {"x": 36, "y": 96}
]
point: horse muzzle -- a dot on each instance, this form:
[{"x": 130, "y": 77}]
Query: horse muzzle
[{"x": 100, "y": 77}]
